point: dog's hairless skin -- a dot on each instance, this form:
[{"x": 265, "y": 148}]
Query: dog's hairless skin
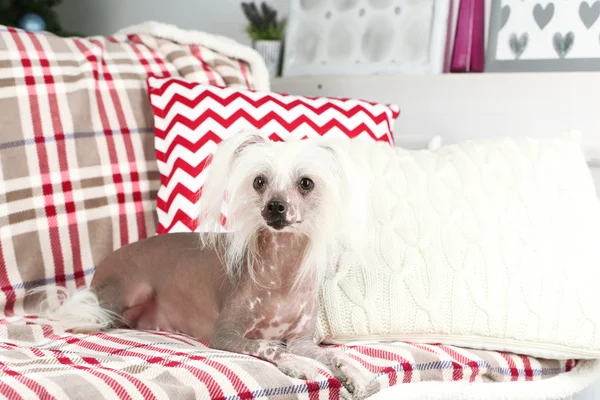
[{"x": 170, "y": 283}]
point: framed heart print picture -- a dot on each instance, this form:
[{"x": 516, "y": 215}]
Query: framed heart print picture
[{"x": 539, "y": 36}]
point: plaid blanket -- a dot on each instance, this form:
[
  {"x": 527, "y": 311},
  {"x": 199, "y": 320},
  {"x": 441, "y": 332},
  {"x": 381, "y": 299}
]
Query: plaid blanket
[
  {"x": 78, "y": 172},
  {"x": 125, "y": 364}
]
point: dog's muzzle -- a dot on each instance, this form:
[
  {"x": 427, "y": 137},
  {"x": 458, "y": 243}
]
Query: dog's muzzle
[{"x": 275, "y": 214}]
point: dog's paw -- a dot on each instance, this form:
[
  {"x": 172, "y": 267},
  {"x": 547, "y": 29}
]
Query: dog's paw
[
  {"x": 270, "y": 350},
  {"x": 298, "y": 368},
  {"x": 349, "y": 374}
]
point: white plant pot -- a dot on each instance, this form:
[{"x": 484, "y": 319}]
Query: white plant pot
[{"x": 270, "y": 50}]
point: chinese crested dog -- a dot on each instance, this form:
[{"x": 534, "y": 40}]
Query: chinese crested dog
[{"x": 253, "y": 289}]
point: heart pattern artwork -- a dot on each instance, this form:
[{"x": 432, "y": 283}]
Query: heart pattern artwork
[
  {"x": 518, "y": 44},
  {"x": 525, "y": 23},
  {"x": 543, "y": 15},
  {"x": 563, "y": 44},
  {"x": 504, "y": 16},
  {"x": 589, "y": 14}
]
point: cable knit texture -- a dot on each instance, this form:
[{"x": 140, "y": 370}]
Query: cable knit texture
[{"x": 488, "y": 244}]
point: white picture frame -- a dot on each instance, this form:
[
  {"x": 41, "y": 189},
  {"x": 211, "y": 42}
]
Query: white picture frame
[
  {"x": 365, "y": 37},
  {"x": 544, "y": 36}
]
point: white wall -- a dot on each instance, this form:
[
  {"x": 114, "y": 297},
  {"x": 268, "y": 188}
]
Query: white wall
[
  {"x": 104, "y": 17},
  {"x": 223, "y": 17}
]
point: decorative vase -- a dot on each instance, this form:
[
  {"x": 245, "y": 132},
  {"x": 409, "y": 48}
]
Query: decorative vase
[{"x": 270, "y": 50}]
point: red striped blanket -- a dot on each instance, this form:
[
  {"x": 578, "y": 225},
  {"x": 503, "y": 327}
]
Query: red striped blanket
[{"x": 36, "y": 362}]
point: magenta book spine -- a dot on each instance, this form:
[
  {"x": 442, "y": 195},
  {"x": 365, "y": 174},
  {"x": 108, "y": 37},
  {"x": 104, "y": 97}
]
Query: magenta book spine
[
  {"x": 478, "y": 35},
  {"x": 463, "y": 44},
  {"x": 450, "y": 37}
]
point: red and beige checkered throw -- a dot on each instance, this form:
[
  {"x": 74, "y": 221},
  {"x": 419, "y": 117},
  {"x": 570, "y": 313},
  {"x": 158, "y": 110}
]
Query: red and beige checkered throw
[{"x": 78, "y": 174}]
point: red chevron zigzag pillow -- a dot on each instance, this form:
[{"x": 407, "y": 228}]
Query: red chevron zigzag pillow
[{"x": 191, "y": 119}]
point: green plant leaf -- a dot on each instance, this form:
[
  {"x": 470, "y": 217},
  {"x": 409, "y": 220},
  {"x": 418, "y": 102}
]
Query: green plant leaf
[{"x": 263, "y": 23}]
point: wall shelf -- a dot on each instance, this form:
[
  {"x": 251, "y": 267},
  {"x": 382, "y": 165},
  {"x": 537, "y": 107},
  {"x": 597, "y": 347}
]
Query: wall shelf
[
  {"x": 471, "y": 78},
  {"x": 463, "y": 106}
]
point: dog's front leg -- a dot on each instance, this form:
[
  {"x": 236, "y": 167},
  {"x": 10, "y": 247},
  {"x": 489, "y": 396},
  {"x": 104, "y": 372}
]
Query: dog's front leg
[
  {"x": 232, "y": 340},
  {"x": 342, "y": 366},
  {"x": 269, "y": 350}
]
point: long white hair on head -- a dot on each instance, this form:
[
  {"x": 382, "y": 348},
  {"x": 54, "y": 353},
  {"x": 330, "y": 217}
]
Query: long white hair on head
[
  {"x": 343, "y": 221},
  {"x": 239, "y": 245}
]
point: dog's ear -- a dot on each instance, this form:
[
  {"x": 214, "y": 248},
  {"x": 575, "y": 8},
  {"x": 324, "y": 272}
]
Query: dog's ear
[
  {"x": 214, "y": 190},
  {"x": 247, "y": 138},
  {"x": 352, "y": 205}
]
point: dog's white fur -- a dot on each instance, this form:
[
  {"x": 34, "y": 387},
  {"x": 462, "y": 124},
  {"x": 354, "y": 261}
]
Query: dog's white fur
[
  {"x": 78, "y": 310},
  {"x": 336, "y": 216}
]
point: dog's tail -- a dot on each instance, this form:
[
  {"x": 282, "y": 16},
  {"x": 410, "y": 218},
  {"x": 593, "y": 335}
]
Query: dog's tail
[{"x": 79, "y": 311}]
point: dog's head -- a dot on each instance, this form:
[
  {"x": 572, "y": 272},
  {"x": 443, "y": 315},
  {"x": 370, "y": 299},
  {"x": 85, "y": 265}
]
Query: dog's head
[
  {"x": 281, "y": 186},
  {"x": 300, "y": 186},
  {"x": 285, "y": 186}
]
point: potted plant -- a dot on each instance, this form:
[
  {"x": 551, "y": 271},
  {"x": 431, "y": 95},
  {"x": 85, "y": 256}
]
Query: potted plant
[{"x": 266, "y": 32}]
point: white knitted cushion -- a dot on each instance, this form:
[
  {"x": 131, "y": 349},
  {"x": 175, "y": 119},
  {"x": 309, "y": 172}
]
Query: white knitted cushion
[{"x": 486, "y": 244}]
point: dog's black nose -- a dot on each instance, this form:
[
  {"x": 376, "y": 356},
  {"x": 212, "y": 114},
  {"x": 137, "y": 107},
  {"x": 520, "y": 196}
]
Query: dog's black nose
[{"x": 276, "y": 207}]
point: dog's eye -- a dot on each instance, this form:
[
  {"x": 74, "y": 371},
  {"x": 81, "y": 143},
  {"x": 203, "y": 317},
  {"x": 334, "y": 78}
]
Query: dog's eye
[
  {"x": 259, "y": 183},
  {"x": 306, "y": 184}
]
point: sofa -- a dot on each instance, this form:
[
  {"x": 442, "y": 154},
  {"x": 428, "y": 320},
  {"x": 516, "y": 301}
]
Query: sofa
[{"x": 79, "y": 179}]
